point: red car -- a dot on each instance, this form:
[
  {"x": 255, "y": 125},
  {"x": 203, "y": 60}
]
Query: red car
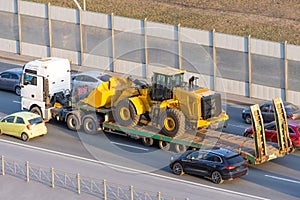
[{"x": 271, "y": 134}]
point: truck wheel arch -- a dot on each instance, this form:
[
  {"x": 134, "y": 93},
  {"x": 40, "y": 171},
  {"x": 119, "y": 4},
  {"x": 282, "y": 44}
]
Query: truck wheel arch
[{"x": 36, "y": 109}]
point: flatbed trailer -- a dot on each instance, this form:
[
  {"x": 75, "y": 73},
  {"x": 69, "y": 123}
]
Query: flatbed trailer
[
  {"x": 255, "y": 150},
  {"x": 204, "y": 139}
]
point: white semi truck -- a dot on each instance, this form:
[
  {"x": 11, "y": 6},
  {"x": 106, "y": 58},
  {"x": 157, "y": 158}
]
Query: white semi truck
[{"x": 43, "y": 81}]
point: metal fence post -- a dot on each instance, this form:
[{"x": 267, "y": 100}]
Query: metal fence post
[
  {"x": 158, "y": 196},
  {"x": 146, "y": 48},
  {"x": 81, "y": 38},
  {"x": 78, "y": 183},
  {"x": 27, "y": 171},
  {"x": 286, "y": 72},
  {"x": 52, "y": 178},
  {"x": 131, "y": 192},
  {"x": 214, "y": 58},
  {"x": 250, "y": 66},
  {"x": 179, "y": 46},
  {"x": 19, "y": 28},
  {"x": 2, "y": 165},
  {"x": 104, "y": 190},
  {"x": 113, "y": 52},
  {"x": 50, "y": 30}
]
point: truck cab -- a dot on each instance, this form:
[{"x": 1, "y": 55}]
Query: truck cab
[{"x": 41, "y": 80}]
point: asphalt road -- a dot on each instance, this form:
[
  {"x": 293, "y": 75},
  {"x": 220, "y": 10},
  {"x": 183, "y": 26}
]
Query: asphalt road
[{"x": 278, "y": 179}]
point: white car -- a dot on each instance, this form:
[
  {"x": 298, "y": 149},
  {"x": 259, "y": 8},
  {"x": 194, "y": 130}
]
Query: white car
[{"x": 85, "y": 82}]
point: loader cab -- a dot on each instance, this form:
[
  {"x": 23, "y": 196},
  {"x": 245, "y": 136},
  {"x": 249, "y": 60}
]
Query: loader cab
[{"x": 163, "y": 82}]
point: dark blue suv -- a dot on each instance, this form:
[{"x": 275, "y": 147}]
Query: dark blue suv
[{"x": 218, "y": 164}]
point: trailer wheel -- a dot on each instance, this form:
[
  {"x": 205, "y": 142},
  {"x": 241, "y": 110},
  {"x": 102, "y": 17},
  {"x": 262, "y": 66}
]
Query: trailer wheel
[
  {"x": 164, "y": 145},
  {"x": 180, "y": 148},
  {"x": 172, "y": 122},
  {"x": 73, "y": 122},
  {"x": 90, "y": 126},
  {"x": 36, "y": 110},
  {"x": 147, "y": 141},
  {"x": 125, "y": 113}
]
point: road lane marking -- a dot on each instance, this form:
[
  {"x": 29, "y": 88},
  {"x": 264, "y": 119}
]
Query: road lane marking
[
  {"x": 17, "y": 102},
  {"x": 133, "y": 170},
  {"x": 126, "y": 145},
  {"x": 283, "y": 179},
  {"x": 238, "y": 126}
]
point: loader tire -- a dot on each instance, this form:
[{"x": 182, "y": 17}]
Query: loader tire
[
  {"x": 172, "y": 122},
  {"x": 125, "y": 114}
]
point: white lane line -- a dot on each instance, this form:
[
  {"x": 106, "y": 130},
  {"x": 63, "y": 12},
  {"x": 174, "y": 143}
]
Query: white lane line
[
  {"x": 17, "y": 102},
  {"x": 133, "y": 170},
  {"x": 283, "y": 179},
  {"x": 125, "y": 145},
  {"x": 238, "y": 126}
]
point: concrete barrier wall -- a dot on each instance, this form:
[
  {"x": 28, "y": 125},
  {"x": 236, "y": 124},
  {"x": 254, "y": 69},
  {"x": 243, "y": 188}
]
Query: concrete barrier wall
[
  {"x": 230, "y": 42},
  {"x": 293, "y": 52},
  {"x": 8, "y": 6},
  {"x": 195, "y": 47},
  {"x": 33, "y": 9}
]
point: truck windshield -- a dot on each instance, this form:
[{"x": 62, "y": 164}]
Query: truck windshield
[{"x": 29, "y": 80}]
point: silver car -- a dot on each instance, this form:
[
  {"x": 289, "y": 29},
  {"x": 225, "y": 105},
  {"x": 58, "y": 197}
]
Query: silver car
[
  {"x": 10, "y": 80},
  {"x": 85, "y": 82}
]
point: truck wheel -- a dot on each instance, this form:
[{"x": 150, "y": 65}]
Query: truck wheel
[
  {"x": 180, "y": 148},
  {"x": 125, "y": 113},
  {"x": 90, "y": 126},
  {"x": 147, "y": 141},
  {"x": 164, "y": 145},
  {"x": 172, "y": 122},
  {"x": 73, "y": 122},
  {"x": 36, "y": 110}
]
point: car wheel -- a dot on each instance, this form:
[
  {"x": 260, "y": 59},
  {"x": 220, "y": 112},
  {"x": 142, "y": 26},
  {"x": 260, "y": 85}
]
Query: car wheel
[
  {"x": 249, "y": 135},
  {"x": 147, "y": 141},
  {"x": 248, "y": 119},
  {"x": 178, "y": 169},
  {"x": 24, "y": 137},
  {"x": 216, "y": 177},
  {"x": 18, "y": 90}
]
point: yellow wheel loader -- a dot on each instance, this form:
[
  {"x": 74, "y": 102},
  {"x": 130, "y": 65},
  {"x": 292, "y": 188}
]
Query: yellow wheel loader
[{"x": 168, "y": 103}]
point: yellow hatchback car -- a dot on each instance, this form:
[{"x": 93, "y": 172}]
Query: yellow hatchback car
[{"x": 24, "y": 125}]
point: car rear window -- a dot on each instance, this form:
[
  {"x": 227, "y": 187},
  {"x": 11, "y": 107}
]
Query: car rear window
[
  {"x": 35, "y": 121},
  {"x": 234, "y": 159},
  {"x": 291, "y": 107}
]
